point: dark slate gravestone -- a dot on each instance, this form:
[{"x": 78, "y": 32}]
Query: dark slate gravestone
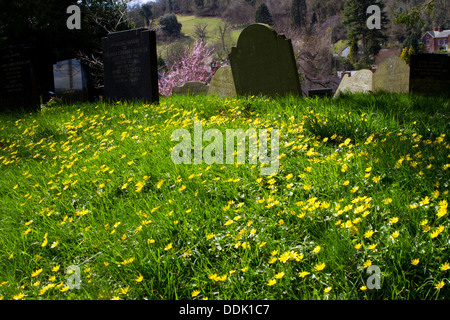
[
  {"x": 130, "y": 65},
  {"x": 18, "y": 79},
  {"x": 321, "y": 93},
  {"x": 429, "y": 75},
  {"x": 263, "y": 62},
  {"x": 70, "y": 80}
]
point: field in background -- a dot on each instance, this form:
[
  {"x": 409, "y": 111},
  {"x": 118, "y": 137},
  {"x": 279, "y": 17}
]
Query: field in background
[{"x": 363, "y": 181}]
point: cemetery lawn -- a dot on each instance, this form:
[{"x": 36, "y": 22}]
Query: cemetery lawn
[{"x": 363, "y": 181}]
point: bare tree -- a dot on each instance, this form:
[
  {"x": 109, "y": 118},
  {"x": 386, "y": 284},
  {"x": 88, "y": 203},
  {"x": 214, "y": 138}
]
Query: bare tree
[{"x": 200, "y": 30}]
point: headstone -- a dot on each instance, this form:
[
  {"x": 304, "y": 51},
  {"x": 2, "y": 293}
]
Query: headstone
[
  {"x": 263, "y": 62},
  {"x": 191, "y": 88},
  {"x": 430, "y": 75},
  {"x": 222, "y": 83},
  {"x": 321, "y": 93},
  {"x": 70, "y": 80},
  {"x": 361, "y": 81},
  {"x": 18, "y": 79},
  {"x": 392, "y": 75},
  {"x": 130, "y": 65}
]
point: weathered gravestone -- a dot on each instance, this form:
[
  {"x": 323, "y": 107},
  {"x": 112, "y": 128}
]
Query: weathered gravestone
[
  {"x": 392, "y": 75},
  {"x": 320, "y": 93},
  {"x": 222, "y": 83},
  {"x": 361, "y": 81},
  {"x": 130, "y": 65},
  {"x": 263, "y": 62},
  {"x": 18, "y": 79},
  {"x": 430, "y": 75},
  {"x": 191, "y": 88},
  {"x": 70, "y": 80}
]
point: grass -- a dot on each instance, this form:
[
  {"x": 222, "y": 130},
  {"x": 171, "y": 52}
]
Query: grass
[
  {"x": 189, "y": 23},
  {"x": 363, "y": 180}
]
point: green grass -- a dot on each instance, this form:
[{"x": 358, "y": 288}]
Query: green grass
[{"x": 95, "y": 186}]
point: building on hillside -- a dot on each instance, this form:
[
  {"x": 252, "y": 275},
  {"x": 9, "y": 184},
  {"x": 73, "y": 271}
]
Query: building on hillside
[{"x": 436, "y": 40}]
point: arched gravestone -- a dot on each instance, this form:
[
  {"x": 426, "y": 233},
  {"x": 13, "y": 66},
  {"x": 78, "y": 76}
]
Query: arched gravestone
[
  {"x": 263, "y": 62},
  {"x": 392, "y": 75},
  {"x": 222, "y": 84},
  {"x": 361, "y": 81}
]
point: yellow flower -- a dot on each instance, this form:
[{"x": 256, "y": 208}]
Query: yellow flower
[
  {"x": 18, "y": 296},
  {"x": 244, "y": 269},
  {"x": 279, "y": 275},
  {"x": 327, "y": 289},
  {"x": 54, "y": 244},
  {"x": 393, "y": 220},
  {"x": 346, "y": 183},
  {"x": 303, "y": 274},
  {"x": 368, "y": 234},
  {"x": 271, "y": 282},
  {"x": 273, "y": 260},
  {"x": 317, "y": 249},
  {"x": 195, "y": 293},
  {"x": 182, "y": 188},
  {"x": 139, "y": 278},
  {"x": 425, "y": 201},
  {"x": 415, "y": 262},
  {"x": 358, "y": 246},
  {"x": 55, "y": 268},
  {"x": 319, "y": 266},
  {"x": 395, "y": 235},
  {"x": 444, "y": 266},
  {"x": 159, "y": 184},
  {"x": 36, "y": 273},
  {"x": 44, "y": 243},
  {"x": 372, "y": 246},
  {"x": 387, "y": 200},
  {"x": 363, "y": 288},
  {"x": 168, "y": 247},
  {"x": 210, "y": 236},
  {"x": 439, "y": 285},
  {"x": 367, "y": 264},
  {"x": 139, "y": 186}
]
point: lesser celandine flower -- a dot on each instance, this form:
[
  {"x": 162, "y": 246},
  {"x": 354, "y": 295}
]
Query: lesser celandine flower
[
  {"x": 444, "y": 266},
  {"x": 271, "y": 282},
  {"x": 415, "y": 262},
  {"x": 319, "y": 266},
  {"x": 195, "y": 293},
  {"x": 440, "y": 285}
]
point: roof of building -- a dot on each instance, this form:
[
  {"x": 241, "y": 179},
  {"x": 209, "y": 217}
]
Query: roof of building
[{"x": 437, "y": 34}]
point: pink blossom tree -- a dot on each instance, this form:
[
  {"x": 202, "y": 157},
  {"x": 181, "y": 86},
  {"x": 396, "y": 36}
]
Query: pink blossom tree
[{"x": 194, "y": 65}]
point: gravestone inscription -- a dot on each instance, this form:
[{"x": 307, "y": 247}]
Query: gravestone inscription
[
  {"x": 18, "y": 79},
  {"x": 222, "y": 83},
  {"x": 430, "y": 75},
  {"x": 70, "y": 80},
  {"x": 130, "y": 65},
  {"x": 392, "y": 75},
  {"x": 263, "y": 62}
]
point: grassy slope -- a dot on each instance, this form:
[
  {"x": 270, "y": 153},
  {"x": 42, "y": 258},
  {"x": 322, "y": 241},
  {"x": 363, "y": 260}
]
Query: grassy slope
[
  {"x": 189, "y": 22},
  {"x": 97, "y": 182}
]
